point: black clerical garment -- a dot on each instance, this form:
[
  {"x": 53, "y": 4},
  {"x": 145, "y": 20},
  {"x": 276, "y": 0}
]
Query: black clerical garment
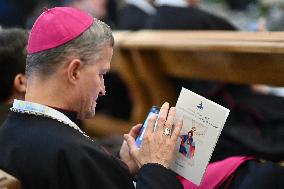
[
  {"x": 46, "y": 154},
  {"x": 4, "y": 111}
]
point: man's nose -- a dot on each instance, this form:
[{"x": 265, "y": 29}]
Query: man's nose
[{"x": 102, "y": 91}]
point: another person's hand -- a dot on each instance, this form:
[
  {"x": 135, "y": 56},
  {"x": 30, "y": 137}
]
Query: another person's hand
[
  {"x": 124, "y": 151},
  {"x": 157, "y": 146}
]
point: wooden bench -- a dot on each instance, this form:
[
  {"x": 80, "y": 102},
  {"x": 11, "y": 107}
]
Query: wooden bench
[{"x": 146, "y": 59}]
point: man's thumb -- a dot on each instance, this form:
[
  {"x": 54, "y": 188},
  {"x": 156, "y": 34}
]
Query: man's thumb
[{"x": 131, "y": 144}]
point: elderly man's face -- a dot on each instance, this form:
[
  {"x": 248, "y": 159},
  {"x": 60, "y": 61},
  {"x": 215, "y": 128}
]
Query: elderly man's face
[{"x": 92, "y": 83}]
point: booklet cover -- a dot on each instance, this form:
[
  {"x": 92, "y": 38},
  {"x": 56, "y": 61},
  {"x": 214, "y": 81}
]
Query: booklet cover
[{"x": 203, "y": 121}]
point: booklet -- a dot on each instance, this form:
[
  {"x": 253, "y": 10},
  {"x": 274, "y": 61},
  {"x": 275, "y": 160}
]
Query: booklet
[{"x": 203, "y": 121}]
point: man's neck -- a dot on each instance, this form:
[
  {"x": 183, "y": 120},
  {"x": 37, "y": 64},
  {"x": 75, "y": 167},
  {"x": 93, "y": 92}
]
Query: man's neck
[
  {"x": 46, "y": 100},
  {"x": 50, "y": 94}
]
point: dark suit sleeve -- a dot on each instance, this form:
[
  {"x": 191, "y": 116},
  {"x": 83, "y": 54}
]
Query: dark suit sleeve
[{"x": 155, "y": 176}]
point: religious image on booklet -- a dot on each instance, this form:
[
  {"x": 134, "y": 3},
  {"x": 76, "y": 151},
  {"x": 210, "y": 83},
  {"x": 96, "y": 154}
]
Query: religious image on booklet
[{"x": 203, "y": 121}]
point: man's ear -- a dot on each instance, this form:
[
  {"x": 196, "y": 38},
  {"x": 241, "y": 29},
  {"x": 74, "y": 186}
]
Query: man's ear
[
  {"x": 73, "y": 70},
  {"x": 20, "y": 83}
]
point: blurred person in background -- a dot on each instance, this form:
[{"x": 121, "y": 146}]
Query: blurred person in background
[
  {"x": 134, "y": 14},
  {"x": 185, "y": 14},
  {"x": 12, "y": 68},
  {"x": 14, "y": 13},
  {"x": 97, "y": 8}
]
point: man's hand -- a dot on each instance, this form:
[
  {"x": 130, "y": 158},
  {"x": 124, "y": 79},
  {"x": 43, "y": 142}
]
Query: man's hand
[
  {"x": 158, "y": 145},
  {"x": 125, "y": 152}
]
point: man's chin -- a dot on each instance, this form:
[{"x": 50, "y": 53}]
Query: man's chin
[
  {"x": 87, "y": 115},
  {"x": 90, "y": 115}
]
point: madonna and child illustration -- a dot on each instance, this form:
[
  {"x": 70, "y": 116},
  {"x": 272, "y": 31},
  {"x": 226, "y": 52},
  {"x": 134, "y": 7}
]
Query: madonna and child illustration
[{"x": 187, "y": 144}]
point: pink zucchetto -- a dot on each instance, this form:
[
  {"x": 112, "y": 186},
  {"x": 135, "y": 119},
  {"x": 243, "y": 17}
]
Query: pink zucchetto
[{"x": 57, "y": 26}]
